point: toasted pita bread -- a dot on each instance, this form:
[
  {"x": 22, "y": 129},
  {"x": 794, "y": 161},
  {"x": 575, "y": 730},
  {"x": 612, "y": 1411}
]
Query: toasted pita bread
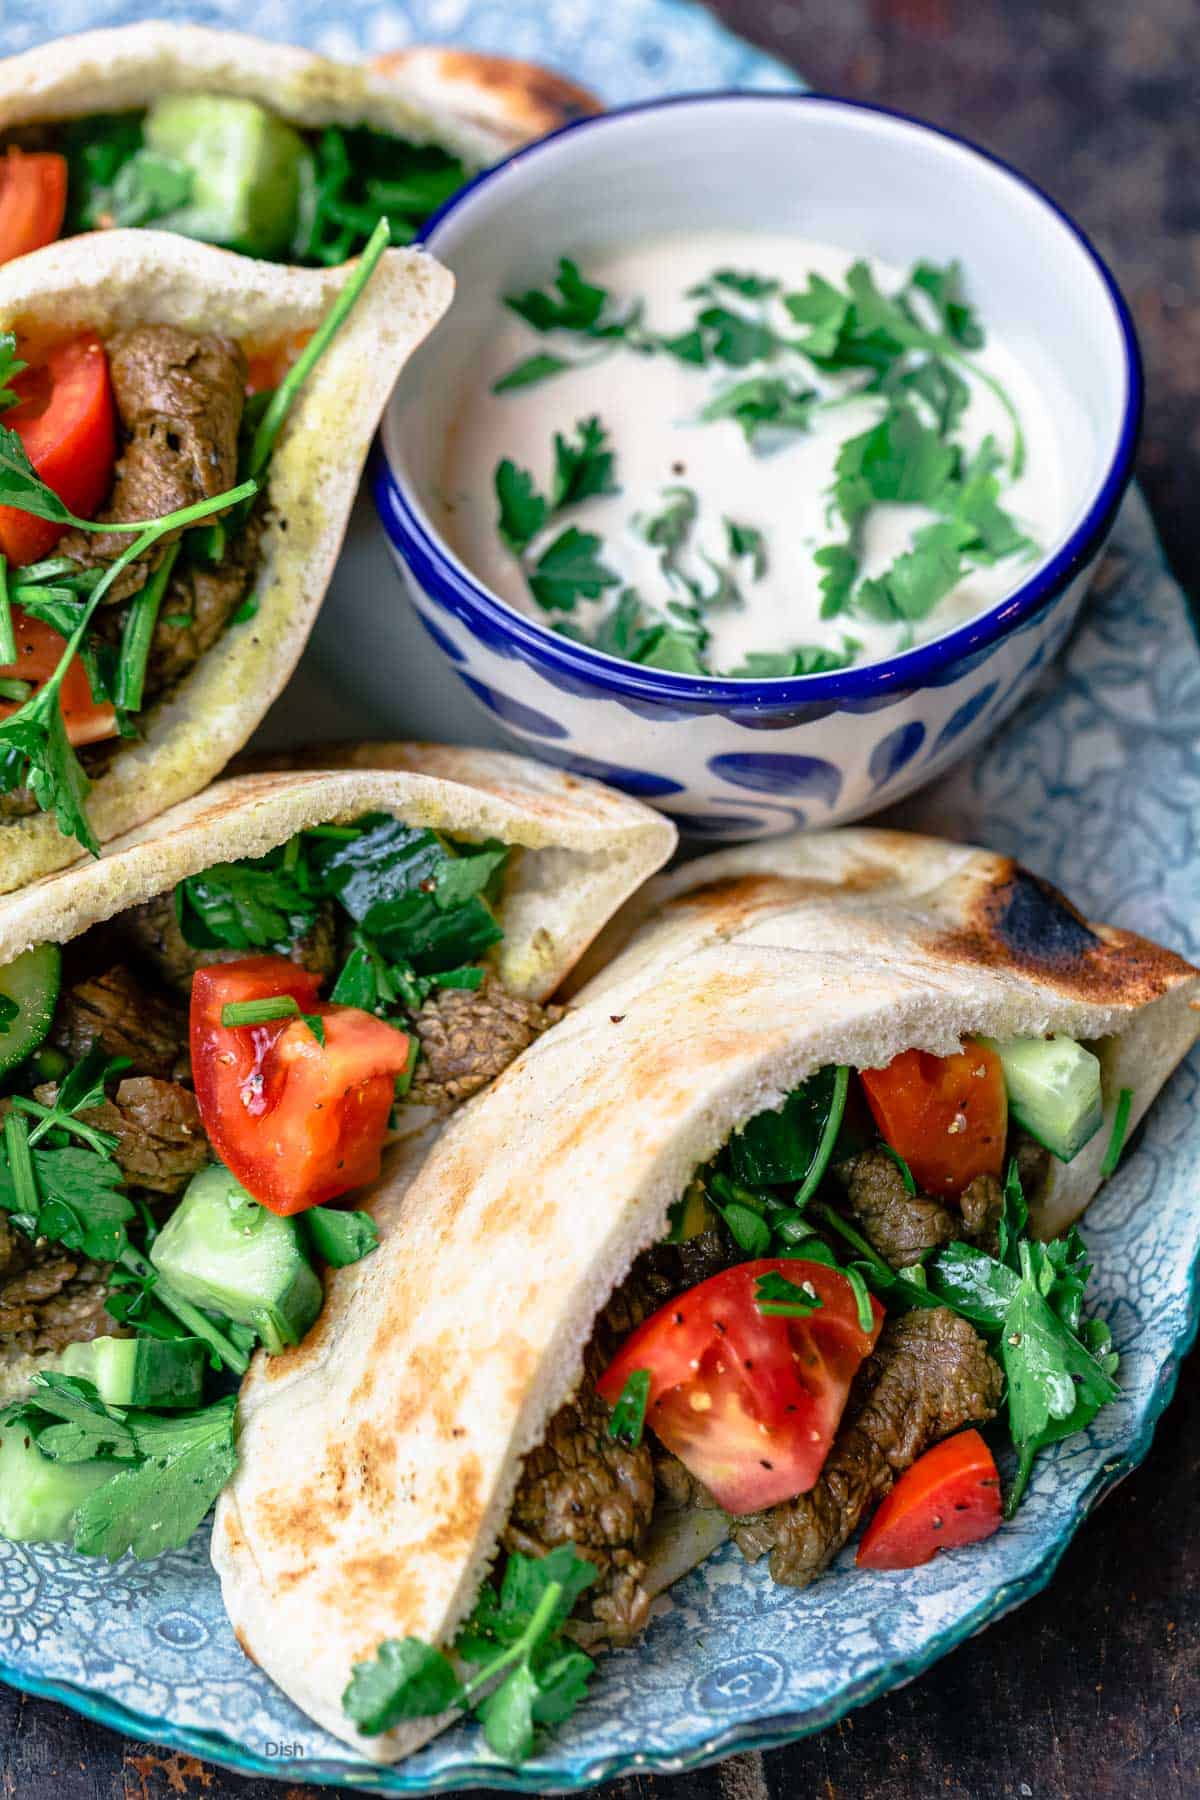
[
  {"x": 478, "y": 107},
  {"x": 380, "y": 1458},
  {"x": 119, "y": 278},
  {"x": 582, "y": 850}
]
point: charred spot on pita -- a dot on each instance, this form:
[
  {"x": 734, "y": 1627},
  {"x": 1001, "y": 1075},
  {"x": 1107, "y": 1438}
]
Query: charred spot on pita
[{"x": 1035, "y": 923}]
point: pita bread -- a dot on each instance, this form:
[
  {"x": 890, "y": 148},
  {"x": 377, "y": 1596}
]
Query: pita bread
[
  {"x": 478, "y": 107},
  {"x": 582, "y": 849},
  {"x": 119, "y": 278},
  {"x": 380, "y": 1458}
]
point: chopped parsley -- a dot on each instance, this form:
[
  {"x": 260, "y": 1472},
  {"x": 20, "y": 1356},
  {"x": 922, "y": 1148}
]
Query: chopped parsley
[
  {"x": 628, "y": 1418},
  {"x": 526, "y": 1674}
]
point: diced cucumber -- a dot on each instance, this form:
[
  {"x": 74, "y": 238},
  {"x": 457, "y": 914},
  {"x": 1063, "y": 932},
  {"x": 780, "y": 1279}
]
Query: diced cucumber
[
  {"x": 38, "y": 1497},
  {"x": 245, "y": 166},
  {"x": 1053, "y": 1091},
  {"x": 140, "y": 1371},
  {"x": 30, "y": 984},
  {"x": 224, "y": 1251}
]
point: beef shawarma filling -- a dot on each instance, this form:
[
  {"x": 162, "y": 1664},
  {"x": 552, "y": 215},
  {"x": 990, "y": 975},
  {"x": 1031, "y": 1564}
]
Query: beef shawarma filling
[
  {"x": 818, "y": 1321},
  {"x": 179, "y": 400},
  {"x": 191, "y": 1094}
]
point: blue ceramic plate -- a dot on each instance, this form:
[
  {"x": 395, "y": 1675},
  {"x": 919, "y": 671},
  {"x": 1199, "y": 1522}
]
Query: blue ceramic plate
[{"x": 1096, "y": 783}]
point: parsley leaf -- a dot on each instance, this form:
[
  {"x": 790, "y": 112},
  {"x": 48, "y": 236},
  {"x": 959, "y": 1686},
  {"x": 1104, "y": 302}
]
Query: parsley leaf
[
  {"x": 946, "y": 288},
  {"x": 571, "y": 304},
  {"x": 898, "y": 459},
  {"x": 539, "y": 367},
  {"x": 919, "y": 577},
  {"x": 747, "y": 540},
  {"x": 85, "y": 1427},
  {"x": 783, "y": 401},
  {"x": 734, "y": 339},
  {"x": 804, "y": 659},
  {"x": 569, "y": 570},
  {"x": 1055, "y": 1384},
  {"x": 513, "y": 1633},
  {"x": 581, "y": 469},
  {"x": 629, "y": 1412},
  {"x": 776, "y": 1296},
  {"x": 523, "y": 511},
  {"x": 80, "y": 1199},
  {"x": 257, "y": 905},
  {"x": 839, "y": 566},
  {"x": 187, "y": 1458}
]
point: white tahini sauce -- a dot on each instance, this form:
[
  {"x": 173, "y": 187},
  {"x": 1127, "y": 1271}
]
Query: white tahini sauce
[{"x": 650, "y": 404}]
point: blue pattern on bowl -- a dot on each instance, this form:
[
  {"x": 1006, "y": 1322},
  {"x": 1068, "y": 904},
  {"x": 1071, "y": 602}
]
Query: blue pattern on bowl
[
  {"x": 730, "y": 1661},
  {"x": 892, "y": 752},
  {"x": 517, "y": 713},
  {"x": 779, "y": 774}
]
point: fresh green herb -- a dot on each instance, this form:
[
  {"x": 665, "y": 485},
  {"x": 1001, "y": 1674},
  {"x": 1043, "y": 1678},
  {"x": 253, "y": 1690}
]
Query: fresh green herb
[
  {"x": 747, "y": 541},
  {"x": 804, "y": 659},
  {"x": 339, "y": 1238},
  {"x": 146, "y": 188},
  {"x": 570, "y": 304},
  {"x": 784, "y": 1146},
  {"x": 829, "y": 1132},
  {"x": 246, "y": 611},
  {"x": 355, "y": 178},
  {"x": 514, "y": 1634},
  {"x": 628, "y": 1419},
  {"x": 1120, "y": 1126},
  {"x": 734, "y": 339},
  {"x": 1014, "y": 1218},
  {"x": 569, "y": 570},
  {"x": 1056, "y": 1386},
  {"x": 251, "y": 905},
  {"x": 539, "y": 367},
  {"x": 741, "y": 1211},
  {"x": 583, "y": 468},
  {"x": 140, "y": 621},
  {"x": 186, "y": 1459},
  {"x": 906, "y": 1174},
  {"x": 11, "y": 366},
  {"x": 523, "y": 511},
  {"x": 83, "y": 1428},
  {"x": 8, "y": 641},
  {"x": 781, "y": 401},
  {"x": 918, "y": 578},
  {"x": 839, "y": 571},
  {"x": 862, "y": 1299},
  {"x": 14, "y": 690},
  {"x": 777, "y": 1296},
  {"x": 272, "y": 421},
  {"x": 265, "y": 1012},
  {"x": 9, "y": 1012}
]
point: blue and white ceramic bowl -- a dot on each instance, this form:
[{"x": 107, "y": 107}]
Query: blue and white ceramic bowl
[{"x": 743, "y": 758}]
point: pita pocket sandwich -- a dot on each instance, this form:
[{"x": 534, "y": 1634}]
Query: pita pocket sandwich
[
  {"x": 773, "y": 1215},
  {"x": 181, "y": 436},
  {"x": 252, "y": 145},
  {"x": 217, "y": 1044}
]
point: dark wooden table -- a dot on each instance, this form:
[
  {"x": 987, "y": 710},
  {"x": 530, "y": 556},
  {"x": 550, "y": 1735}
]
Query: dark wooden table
[{"x": 1092, "y": 1691}]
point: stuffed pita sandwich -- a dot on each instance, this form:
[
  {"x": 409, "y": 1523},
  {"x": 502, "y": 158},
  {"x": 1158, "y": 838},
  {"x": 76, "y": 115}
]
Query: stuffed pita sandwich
[
  {"x": 216, "y": 1043},
  {"x": 749, "y": 1244},
  {"x": 181, "y": 435},
  {"x": 256, "y": 146}
]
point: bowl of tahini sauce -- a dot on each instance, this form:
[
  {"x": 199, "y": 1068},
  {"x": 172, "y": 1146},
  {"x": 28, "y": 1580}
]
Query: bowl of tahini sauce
[{"x": 761, "y": 460}]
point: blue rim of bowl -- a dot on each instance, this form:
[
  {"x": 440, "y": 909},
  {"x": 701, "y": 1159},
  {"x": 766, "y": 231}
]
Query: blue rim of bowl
[{"x": 450, "y": 584}]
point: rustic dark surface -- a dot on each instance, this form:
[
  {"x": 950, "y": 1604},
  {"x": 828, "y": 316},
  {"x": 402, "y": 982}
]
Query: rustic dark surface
[{"x": 1092, "y": 1691}]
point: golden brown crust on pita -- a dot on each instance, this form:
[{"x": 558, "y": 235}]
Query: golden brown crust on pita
[{"x": 518, "y": 97}]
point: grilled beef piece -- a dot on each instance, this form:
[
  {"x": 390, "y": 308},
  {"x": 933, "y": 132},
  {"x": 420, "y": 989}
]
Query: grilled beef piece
[
  {"x": 160, "y": 1140},
  {"x": 49, "y": 1297},
  {"x": 901, "y": 1226},
  {"x": 115, "y": 1011},
  {"x": 469, "y": 1037},
  {"x": 580, "y": 1486},
  {"x": 929, "y": 1375},
  {"x": 982, "y": 1204},
  {"x": 179, "y": 399},
  {"x": 206, "y": 599},
  {"x": 151, "y": 934}
]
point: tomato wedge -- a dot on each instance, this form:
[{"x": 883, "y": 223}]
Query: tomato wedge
[
  {"x": 949, "y": 1496},
  {"x": 947, "y": 1116},
  {"x": 298, "y": 1122},
  {"x": 33, "y": 200},
  {"x": 66, "y": 423},
  {"x": 39, "y": 652},
  {"x": 748, "y": 1402}
]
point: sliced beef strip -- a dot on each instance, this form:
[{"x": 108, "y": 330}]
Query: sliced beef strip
[
  {"x": 901, "y": 1226},
  {"x": 207, "y": 598},
  {"x": 160, "y": 1140},
  {"x": 468, "y": 1038},
  {"x": 929, "y": 1375},
  {"x": 49, "y": 1297},
  {"x": 115, "y": 1011},
  {"x": 179, "y": 398},
  {"x": 582, "y": 1487},
  {"x": 151, "y": 934}
]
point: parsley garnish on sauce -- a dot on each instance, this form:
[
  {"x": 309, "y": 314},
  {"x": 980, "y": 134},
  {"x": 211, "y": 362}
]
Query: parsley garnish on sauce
[{"x": 774, "y": 355}]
